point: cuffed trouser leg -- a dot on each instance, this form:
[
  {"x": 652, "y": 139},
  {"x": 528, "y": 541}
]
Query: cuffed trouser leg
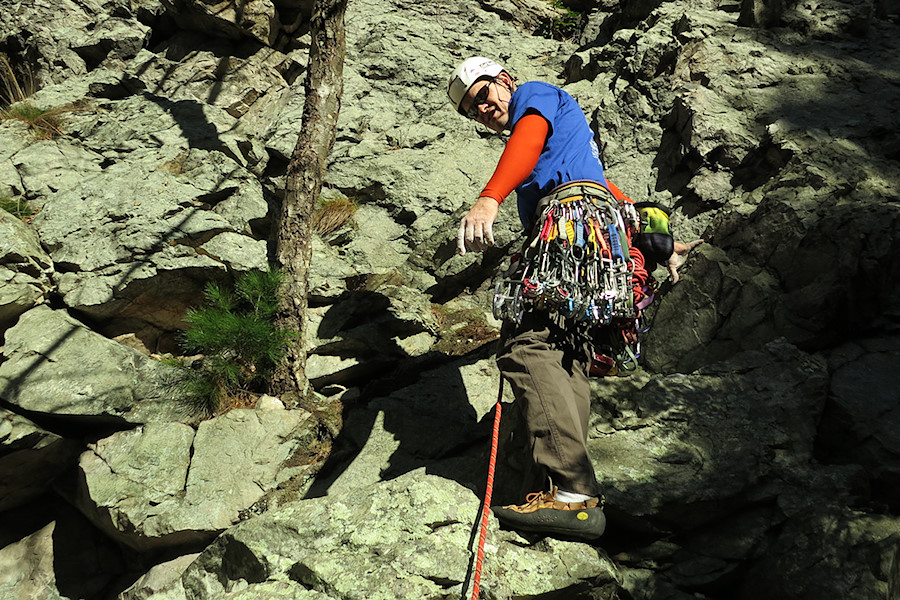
[{"x": 548, "y": 375}]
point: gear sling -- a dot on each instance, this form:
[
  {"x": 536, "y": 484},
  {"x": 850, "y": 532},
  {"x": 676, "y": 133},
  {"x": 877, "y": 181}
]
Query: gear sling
[{"x": 579, "y": 264}]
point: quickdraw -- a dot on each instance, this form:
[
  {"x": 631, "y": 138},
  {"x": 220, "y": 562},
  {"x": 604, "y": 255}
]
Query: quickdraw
[{"x": 578, "y": 264}]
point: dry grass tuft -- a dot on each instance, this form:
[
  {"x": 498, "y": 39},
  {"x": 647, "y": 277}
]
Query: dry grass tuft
[
  {"x": 46, "y": 124},
  {"x": 14, "y": 92},
  {"x": 11, "y": 89},
  {"x": 331, "y": 215}
]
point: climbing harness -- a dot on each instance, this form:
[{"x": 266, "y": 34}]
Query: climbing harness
[
  {"x": 488, "y": 492},
  {"x": 580, "y": 266}
]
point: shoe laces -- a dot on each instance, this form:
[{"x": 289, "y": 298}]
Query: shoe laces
[{"x": 538, "y": 498}]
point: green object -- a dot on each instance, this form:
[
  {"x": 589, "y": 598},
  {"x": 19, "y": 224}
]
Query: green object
[
  {"x": 241, "y": 344},
  {"x": 654, "y": 217}
]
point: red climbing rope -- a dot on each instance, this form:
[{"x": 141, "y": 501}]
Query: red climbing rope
[{"x": 488, "y": 490}]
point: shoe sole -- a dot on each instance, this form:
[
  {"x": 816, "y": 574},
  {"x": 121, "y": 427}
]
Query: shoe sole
[{"x": 585, "y": 524}]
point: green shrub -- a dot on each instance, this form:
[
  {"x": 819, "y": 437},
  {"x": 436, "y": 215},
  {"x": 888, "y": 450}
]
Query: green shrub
[
  {"x": 240, "y": 343},
  {"x": 564, "y": 26}
]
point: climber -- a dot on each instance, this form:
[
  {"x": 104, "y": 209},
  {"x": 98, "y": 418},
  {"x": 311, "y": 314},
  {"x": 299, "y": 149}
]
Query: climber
[
  {"x": 546, "y": 361},
  {"x": 547, "y": 365},
  {"x": 656, "y": 242}
]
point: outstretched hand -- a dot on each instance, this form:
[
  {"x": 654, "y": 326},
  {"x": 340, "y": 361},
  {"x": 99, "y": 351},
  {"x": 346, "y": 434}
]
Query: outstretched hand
[
  {"x": 679, "y": 256},
  {"x": 476, "y": 230}
]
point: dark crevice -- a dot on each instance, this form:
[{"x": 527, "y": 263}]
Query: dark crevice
[
  {"x": 72, "y": 426},
  {"x": 760, "y": 166},
  {"x": 93, "y": 56}
]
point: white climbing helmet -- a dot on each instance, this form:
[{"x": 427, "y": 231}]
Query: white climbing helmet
[{"x": 468, "y": 72}]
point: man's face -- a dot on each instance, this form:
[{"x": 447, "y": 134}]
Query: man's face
[{"x": 488, "y": 103}]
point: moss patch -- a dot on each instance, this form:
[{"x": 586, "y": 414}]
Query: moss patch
[{"x": 462, "y": 331}]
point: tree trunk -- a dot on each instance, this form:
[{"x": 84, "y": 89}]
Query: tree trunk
[{"x": 306, "y": 170}]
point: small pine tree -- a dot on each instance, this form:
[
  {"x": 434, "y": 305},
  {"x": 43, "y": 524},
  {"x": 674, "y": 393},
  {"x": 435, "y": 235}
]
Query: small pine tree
[{"x": 235, "y": 332}]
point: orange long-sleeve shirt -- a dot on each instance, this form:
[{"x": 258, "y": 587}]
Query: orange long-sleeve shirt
[{"x": 520, "y": 157}]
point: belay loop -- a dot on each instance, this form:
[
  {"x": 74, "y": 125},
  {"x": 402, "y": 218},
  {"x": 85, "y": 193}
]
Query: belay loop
[{"x": 578, "y": 263}]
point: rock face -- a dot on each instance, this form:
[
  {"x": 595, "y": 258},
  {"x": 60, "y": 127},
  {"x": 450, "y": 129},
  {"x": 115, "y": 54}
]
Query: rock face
[
  {"x": 164, "y": 485},
  {"x": 24, "y": 270},
  {"x": 755, "y": 453},
  {"x": 56, "y": 366},
  {"x": 26, "y": 448},
  {"x": 758, "y": 410},
  {"x": 402, "y": 541}
]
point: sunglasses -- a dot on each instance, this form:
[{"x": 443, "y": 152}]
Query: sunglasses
[{"x": 480, "y": 98}]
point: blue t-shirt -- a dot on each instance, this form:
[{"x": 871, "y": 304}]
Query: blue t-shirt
[{"x": 570, "y": 152}]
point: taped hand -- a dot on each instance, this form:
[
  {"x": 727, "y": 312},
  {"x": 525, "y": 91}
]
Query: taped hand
[{"x": 476, "y": 230}]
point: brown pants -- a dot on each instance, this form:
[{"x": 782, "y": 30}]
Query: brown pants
[{"x": 547, "y": 369}]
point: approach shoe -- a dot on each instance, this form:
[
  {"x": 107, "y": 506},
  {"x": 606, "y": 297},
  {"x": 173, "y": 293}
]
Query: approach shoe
[{"x": 542, "y": 513}]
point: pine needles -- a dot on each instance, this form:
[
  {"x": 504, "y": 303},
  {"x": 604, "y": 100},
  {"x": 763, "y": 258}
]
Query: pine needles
[
  {"x": 240, "y": 344},
  {"x": 564, "y": 26}
]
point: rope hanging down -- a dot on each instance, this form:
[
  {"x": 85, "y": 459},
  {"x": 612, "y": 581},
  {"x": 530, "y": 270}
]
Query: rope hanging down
[{"x": 488, "y": 491}]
